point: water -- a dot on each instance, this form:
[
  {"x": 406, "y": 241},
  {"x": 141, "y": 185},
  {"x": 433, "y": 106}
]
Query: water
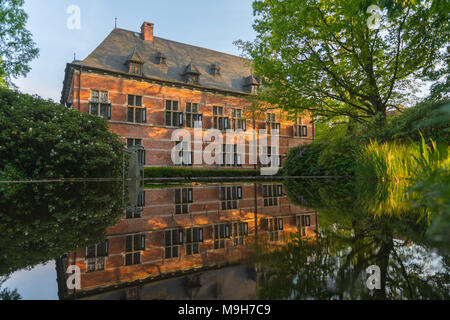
[{"x": 290, "y": 239}]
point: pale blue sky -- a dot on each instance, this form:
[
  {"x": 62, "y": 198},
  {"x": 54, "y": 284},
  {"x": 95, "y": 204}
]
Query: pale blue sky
[{"x": 212, "y": 24}]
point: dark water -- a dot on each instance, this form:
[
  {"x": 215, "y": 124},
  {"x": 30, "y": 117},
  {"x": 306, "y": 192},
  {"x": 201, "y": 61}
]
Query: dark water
[{"x": 291, "y": 239}]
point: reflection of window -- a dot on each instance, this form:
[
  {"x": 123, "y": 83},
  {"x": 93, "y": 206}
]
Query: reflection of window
[
  {"x": 174, "y": 118},
  {"x": 269, "y": 152},
  {"x": 141, "y": 153},
  {"x": 221, "y": 233},
  {"x": 193, "y": 116},
  {"x": 184, "y": 155},
  {"x": 229, "y": 196},
  {"x": 271, "y": 124},
  {"x": 172, "y": 241},
  {"x": 134, "y": 245},
  {"x": 135, "y": 212},
  {"x": 302, "y": 222},
  {"x": 99, "y": 104},
  {"x": 95, "y": 256},
  {"x": 237, "y": 121},
  {"x": 136, "y": 113},
  {"x": 182, "y": 199},
  {"x": 275, "y": 225},
  {"x": 240, "y": 230},
  {"x": 230, "y": 156},
  {"x": 219, "y": 120},
  {"x": 193, "y": 238},
  {"x": 271, "y": 193}
]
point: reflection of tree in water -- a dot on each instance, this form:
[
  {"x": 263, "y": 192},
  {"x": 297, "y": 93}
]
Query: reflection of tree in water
[
  {"x": 40, "y": 222},
  {"x": 333, "y": 265}
]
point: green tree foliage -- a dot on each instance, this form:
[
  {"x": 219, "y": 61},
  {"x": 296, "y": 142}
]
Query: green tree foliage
[
  {"x": 17, "y": 48},
  {"x": 321, "y": 56},
  {"x": 41, "y": 222},
  {"x": 41, "y": 139}
]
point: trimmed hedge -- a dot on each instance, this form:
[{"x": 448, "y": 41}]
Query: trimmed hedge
[{"x": 170, "y": 172}]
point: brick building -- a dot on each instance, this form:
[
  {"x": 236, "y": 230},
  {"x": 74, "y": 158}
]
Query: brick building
[
  {"x": 175, "y": 232},
  {"x": 146, "y": 87}
]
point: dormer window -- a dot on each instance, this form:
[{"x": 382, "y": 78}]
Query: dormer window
[
  {"x": 192, "y": 75},
  {"x": 215, "y": 70},
  {"x": 251, "y": 84},
  {"x": 135, "y": 68},
  {"x": 161, "y": 58},
  {"x": 135, "y": 63}
]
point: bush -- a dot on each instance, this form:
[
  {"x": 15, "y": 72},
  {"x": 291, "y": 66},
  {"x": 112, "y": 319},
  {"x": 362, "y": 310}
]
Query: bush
[
  {"x": 338, "y": 158},
  {"x": 41, "y": 139},
  {"x": 170, "y": 172},
  {"x": 304, "y": 160}
]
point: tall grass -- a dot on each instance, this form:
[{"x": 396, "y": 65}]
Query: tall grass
[{"x": 396, "y": 161}]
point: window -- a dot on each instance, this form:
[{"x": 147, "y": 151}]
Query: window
[
  {"x": 271, "y": 193},
  {"x": 134, "y": 245},
  {"x": 219, "y": 120},
  {"x": 184, "y": 155},
  {"x": 136, "y": 113},
  {"x": 131, "y": 142},
  {"x": 95, "y": 256},
  {"x": 172, "y": 241},
  {"x": 135, "y": 68},
  {"x": 182, "y": 199},
  {"x": 192, "y": 115},
  {"x": 229, "y": 197},
  {"x": 275, "y": 225},
  {"x": 271, "y": 124},
  {"x": 230, "y": 157},
  {"x": 174, "y": 118},
  {"x": 237, "y": 121},
  {"x": 193, "y": 238},
  {"x": 221, "y": 233},
  {"x": 269, "y": 152},
  {"x": 240, "y": 230},
  {"x": 99, "y": 104},
  {"x": 299, "y": 129}
]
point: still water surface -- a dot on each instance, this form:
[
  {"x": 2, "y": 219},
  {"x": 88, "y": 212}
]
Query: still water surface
[{"x": 292, "y": 239}]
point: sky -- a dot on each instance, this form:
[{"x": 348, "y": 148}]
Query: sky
[{"x": 212, "y": 24}]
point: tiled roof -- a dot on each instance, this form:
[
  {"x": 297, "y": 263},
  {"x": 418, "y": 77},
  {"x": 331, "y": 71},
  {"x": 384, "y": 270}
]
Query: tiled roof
[{"x": 121, "y": 45}]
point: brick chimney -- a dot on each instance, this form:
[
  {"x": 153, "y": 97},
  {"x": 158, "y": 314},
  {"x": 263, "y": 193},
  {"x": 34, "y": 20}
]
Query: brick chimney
[{"x": 147, "y": 31}]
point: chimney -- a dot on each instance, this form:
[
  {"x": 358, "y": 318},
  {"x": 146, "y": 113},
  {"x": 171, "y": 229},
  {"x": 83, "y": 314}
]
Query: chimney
[{"x": 147, "y": 31}]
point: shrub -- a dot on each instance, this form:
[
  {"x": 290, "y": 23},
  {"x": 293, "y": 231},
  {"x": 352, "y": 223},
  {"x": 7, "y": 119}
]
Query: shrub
[
  {"x": 170, "y": 172},
  {"x": 304, "y": 160},
  {"x": 41, "y": 139}
]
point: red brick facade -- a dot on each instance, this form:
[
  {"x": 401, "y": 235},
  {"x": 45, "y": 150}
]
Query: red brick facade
[{"x": 86, "y": 80}]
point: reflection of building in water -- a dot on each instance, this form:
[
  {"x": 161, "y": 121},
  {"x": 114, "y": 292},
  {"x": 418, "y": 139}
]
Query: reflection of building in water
[{"x": 183, "y": 231}]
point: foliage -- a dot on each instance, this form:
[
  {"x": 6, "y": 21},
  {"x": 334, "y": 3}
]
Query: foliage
[
  {"x": 303, "y": 160},
  {"x": 17, "y": 48},
  {"x": 41, "y": 139},
  {"x": 431, "y": 118},
  {"x": 321, "y": 56},
  {"x": 40, "y": 222},
  {"x": 169, "y": 172},
  {"x": 395, "y": 161}
]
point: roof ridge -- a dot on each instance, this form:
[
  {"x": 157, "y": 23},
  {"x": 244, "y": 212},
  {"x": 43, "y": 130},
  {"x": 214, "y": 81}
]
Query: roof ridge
[{"x": 187, "y": 44}]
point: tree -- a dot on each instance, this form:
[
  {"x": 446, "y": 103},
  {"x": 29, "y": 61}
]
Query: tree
[
  {"x": 40, "y": 139},
  {"x": 17, "y": 48},
  {"x": 325, "y": 57}
]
